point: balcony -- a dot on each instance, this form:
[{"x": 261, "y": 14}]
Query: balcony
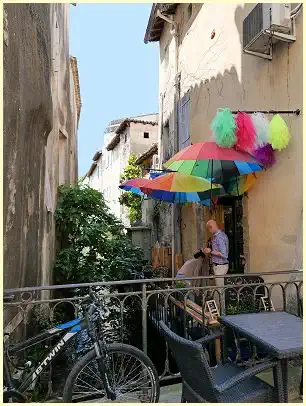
[{"x": 136, "y": 306}]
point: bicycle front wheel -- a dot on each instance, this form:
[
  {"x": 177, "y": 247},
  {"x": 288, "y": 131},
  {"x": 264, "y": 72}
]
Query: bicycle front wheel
[{"x": 131, "y": 375}]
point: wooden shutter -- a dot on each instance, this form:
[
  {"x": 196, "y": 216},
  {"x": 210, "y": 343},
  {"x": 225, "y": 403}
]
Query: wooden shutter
[{"x": 183, "y": 120}]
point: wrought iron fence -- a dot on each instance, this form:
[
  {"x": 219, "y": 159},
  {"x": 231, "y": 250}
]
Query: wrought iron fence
[{"x": 136, "y": 306}]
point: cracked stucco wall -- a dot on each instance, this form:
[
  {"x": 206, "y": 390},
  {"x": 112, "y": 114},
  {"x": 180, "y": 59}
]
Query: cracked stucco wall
[
  {"x": 39, "y": 106},
  {"x": 219, "y": 75}
]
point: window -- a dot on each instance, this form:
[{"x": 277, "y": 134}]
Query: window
[
  {"x": 183, "y": 119},
  {"x": 56, "y": 47},
  {"x": 166, "y": 145},
  {"x": 62, "y": 159},
  {"x": 189, "y": 11},
  {"x": 108, "y": 159},
  {"x": 146, "y": 135}
]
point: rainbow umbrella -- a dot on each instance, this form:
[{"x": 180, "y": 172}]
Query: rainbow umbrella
[
  {"x": 150, "y": 188},
  {"x": 184, "y": 198},
  {"x": 209, "y": 161},
  {"x": 134, "y": 185},
  {"x": 238, "y": 185},
  {"x": 179, "y": 188}
]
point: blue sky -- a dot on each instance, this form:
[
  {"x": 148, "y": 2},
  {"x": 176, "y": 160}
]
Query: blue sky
[{"x": 118, "y": 71}]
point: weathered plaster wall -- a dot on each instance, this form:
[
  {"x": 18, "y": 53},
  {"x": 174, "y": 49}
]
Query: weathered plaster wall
[
  {"x": 218, "y": 75},
  {"x": 114, "y": 162},
  {"x": 95, "y": 180},
  {"x": 139, "y": 144},
  {"x": 40, "y": 123}
]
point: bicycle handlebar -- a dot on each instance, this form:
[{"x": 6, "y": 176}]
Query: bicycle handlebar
[
  {"x": 8, "y": 299},
  {"x": 96, "y": 305},
  {"x": 94, "y": 297}
]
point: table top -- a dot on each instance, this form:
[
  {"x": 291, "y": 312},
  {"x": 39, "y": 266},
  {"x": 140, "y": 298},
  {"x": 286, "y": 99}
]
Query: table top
[{"x": 280, "y": 333}]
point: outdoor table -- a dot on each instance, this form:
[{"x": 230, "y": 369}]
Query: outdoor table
[{"x": 279, "y": 333}]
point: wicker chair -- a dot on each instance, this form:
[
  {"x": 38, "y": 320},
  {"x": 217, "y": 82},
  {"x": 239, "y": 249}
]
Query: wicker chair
[{"x": 226, "y": 383}]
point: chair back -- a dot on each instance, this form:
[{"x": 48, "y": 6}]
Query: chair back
[{"x": 192, "y": 363}]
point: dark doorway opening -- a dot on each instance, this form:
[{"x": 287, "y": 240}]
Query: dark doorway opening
[{"x": 233, "y": 227}]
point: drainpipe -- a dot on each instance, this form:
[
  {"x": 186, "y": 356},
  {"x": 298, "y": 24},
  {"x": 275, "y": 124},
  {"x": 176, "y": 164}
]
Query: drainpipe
[
  {"x": 176, "y": 209},
  {"x": 175, "y": 228},
  {"x": 161, "y": 146}
]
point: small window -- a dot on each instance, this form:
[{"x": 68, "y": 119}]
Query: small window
[
  {"x": 189, "y": 11},
  {"x": 146, "y": 135},
  {"x": 63, "y": 159}
]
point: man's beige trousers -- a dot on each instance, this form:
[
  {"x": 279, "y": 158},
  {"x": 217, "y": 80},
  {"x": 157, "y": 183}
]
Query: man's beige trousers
[{"x": 218, "y": 271}]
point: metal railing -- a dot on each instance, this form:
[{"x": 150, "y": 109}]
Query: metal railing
[{"x": 136, "y": 305}]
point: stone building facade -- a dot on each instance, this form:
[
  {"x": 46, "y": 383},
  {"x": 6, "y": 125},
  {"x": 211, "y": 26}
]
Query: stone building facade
[
  {"x": 203, "y": 68},
  {"x": 122, "y": 138},
  {"x": 41, "y": 112}
]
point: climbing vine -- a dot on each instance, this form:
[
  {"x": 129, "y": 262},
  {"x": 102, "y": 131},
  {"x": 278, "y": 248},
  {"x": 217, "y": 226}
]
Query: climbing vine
[{"x": 128, "y": 199}]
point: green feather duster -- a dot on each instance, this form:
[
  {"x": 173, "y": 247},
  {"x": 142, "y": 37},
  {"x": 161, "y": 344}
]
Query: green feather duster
[
  {"x": 223, "y": 127},
  {"x": 278, "y": 134}
]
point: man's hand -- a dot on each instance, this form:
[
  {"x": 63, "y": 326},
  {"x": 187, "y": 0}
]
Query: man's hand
[{"x": 207, "y": 251}]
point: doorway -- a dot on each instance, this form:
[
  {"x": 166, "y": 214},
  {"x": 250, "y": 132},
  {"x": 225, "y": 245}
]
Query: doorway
[{"x": 233, "y": 227}]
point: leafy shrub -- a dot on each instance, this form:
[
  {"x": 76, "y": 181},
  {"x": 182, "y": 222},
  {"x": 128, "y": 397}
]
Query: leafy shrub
[{"x": 93, "y": 243}]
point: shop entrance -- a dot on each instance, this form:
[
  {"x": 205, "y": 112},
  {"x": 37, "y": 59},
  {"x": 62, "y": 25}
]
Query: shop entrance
[{"x": 233, "y": 227}]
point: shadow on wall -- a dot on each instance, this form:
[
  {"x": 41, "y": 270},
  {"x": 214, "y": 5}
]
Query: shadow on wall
[
  {"x": 187, "y": 21},
  {"x": 257, "y": 84}
]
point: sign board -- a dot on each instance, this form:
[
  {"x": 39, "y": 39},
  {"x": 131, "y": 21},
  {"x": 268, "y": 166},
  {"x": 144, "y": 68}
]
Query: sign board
[
  {"x": 212, "y": 308},
  {"x": 267, "y": 304}
]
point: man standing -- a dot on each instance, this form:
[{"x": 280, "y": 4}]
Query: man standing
[{"x": 219, "y": 254}]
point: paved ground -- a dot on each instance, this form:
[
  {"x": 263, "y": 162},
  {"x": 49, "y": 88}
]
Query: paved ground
[{"x": 172, "y": 393}]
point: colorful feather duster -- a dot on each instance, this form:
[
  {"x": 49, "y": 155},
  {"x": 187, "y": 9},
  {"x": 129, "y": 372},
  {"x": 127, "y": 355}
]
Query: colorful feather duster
[
  {"x": 278, "y": 135},
  {"x": 265, "y": 155},
  {"x": 245, "y": 132},
  {"x": 223, "y": 127},
  {"x": 261, "y": 125}
]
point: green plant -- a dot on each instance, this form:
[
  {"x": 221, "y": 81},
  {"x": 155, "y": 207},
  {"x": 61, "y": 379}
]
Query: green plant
[
  {"x": 93, "y": 244},
  {"x": 128, "y": 199},
  {"x": 242, "y": 307},
  {"x": 180, "y": 285}
]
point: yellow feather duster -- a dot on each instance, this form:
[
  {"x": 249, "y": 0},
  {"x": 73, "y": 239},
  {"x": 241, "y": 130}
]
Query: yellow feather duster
[{"x": 278, "y": 134}]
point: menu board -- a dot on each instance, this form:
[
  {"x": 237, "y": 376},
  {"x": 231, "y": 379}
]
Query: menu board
[
  {"x": 267, "y": 304},
  {"x": 212, "y": 308}
]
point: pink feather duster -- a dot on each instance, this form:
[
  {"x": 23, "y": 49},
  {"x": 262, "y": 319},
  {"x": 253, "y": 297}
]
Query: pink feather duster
[
  {"x": 246, "y": 133},
  {"x": 265, "y": 155}
]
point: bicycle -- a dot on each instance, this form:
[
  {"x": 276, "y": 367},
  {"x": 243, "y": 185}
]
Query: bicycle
[{"x": 108, "y": 372}]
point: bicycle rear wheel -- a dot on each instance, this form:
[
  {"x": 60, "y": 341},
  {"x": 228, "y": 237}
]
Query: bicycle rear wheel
[{"x": 131, "y": 374}]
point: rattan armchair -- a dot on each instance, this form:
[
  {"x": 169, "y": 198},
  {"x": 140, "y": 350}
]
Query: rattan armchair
[{"x": 227, "y": 383}]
